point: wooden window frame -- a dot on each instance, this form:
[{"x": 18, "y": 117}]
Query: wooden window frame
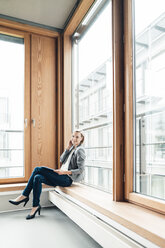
[
  {"x": 27, "y": 28},
  {"x": 122, "y": 99},
  {"x": 118, "y": 100},
  {"x": 76, "y": 19},
  {"x": 25, "y": 31},
  {"x": 118, "y": 87},
  {"x": 122, "y": 94},
  {"x": 139, "y": 199},
  {"x": 26, "y": 37}
]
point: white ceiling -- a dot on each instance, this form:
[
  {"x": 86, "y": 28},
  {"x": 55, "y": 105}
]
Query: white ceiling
[{"x": 52, "y": 13}]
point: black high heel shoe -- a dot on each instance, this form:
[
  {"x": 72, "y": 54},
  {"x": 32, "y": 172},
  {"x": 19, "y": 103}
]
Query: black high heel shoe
[
  {"x": 18, "y": 202},
  {"x": 28, "y": 217}
]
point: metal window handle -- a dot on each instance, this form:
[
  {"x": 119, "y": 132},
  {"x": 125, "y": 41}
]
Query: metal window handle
[
  {"x": 33, "y": 122},
  {"x": 26, "y": 122}
]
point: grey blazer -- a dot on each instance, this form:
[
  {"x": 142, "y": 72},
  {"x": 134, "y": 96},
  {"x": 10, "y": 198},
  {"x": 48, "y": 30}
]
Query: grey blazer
[{"x": 77, "y": 162}]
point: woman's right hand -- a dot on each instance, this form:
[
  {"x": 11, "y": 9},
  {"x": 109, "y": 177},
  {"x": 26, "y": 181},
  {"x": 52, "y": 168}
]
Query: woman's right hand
[{"x": 69, "y": 145}]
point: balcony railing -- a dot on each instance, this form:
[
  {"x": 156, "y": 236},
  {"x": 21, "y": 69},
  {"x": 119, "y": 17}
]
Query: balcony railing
[{"x": 11, "y": 157}]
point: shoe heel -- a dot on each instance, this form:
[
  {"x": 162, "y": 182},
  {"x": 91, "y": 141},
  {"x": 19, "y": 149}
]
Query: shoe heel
[
  {"x": 39, "y": 211},
  {"x": 25, "y": 203}
]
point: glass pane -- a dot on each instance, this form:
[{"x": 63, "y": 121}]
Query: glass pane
[
  {"x": 11, "y": 106},
  {"x": 92, "y": 98},
  {"x": 149, "y": 74}
]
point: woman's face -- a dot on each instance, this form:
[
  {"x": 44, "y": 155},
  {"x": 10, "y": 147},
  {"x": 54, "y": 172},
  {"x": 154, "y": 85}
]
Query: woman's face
[{"x": 76, "y": 138}]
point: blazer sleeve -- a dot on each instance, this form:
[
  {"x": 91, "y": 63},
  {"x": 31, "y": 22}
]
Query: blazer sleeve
[
  {"x": 80, "y": 162},
  {"x": 64, "y": 155}
]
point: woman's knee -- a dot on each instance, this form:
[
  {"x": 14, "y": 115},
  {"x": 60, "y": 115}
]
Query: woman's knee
[
  {"x": 37, "y": 169},
  {"x": 37, "y": 178}
]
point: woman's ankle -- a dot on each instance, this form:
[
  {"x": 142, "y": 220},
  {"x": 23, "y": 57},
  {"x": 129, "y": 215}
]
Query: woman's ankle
[
  {"x": 24, "y": 196},
  {"x": 21, "y": 197}
]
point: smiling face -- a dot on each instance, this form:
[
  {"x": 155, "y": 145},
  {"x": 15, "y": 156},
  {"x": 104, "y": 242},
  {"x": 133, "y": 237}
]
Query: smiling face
[{"x": 76, "y": 138}]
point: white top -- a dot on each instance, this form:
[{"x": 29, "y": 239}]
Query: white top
[{"x": 65, "y": 165}]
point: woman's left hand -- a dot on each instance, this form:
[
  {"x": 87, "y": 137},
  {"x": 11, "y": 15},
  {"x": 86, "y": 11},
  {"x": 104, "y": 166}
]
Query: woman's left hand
[{"x": 61, "y": 172}]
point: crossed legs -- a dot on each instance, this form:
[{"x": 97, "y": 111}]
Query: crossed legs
[{"x": 43, "y": 175}]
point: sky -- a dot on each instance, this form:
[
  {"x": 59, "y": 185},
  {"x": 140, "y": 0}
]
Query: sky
[
  {"x": 12, "y": 82},
  {"x": 146, "y": 11},
  {"x": 95, "y": 46}
]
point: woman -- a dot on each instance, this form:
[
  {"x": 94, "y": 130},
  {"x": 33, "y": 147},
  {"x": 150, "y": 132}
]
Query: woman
[{"x": 72, "y": 169}]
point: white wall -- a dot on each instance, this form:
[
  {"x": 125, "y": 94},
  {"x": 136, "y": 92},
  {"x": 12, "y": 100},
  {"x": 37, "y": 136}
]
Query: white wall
[{"x": 6, "y": 206}]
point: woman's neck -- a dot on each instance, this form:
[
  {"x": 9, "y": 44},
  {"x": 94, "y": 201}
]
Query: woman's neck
[{"x": 76, "y": 145}]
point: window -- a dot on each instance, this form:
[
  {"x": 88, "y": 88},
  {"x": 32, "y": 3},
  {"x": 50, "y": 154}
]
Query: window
[
  {"x": 11, "y": 106},
  {"x": 92, "y": 93},
  {"x": 149, "y": 100}
]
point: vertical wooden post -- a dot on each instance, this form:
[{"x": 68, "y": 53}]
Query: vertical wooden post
[
  {"x": 67, "y": 89},
  {"x": 43, "y": 103},
  {"x": 59, "y": 101},
  {"x": 128, "y": 78},
  {"x": 118, "y": 100}
]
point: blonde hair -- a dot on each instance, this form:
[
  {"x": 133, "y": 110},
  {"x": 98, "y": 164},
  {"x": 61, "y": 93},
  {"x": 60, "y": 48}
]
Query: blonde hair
[{"x": 82, "y": 135}]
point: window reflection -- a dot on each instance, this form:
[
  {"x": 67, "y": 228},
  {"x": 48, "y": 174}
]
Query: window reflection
[
  {"x": 92, "y": 105},
  {"x": 150, "y": 98},
  {"x": 11, "y": 106}
]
